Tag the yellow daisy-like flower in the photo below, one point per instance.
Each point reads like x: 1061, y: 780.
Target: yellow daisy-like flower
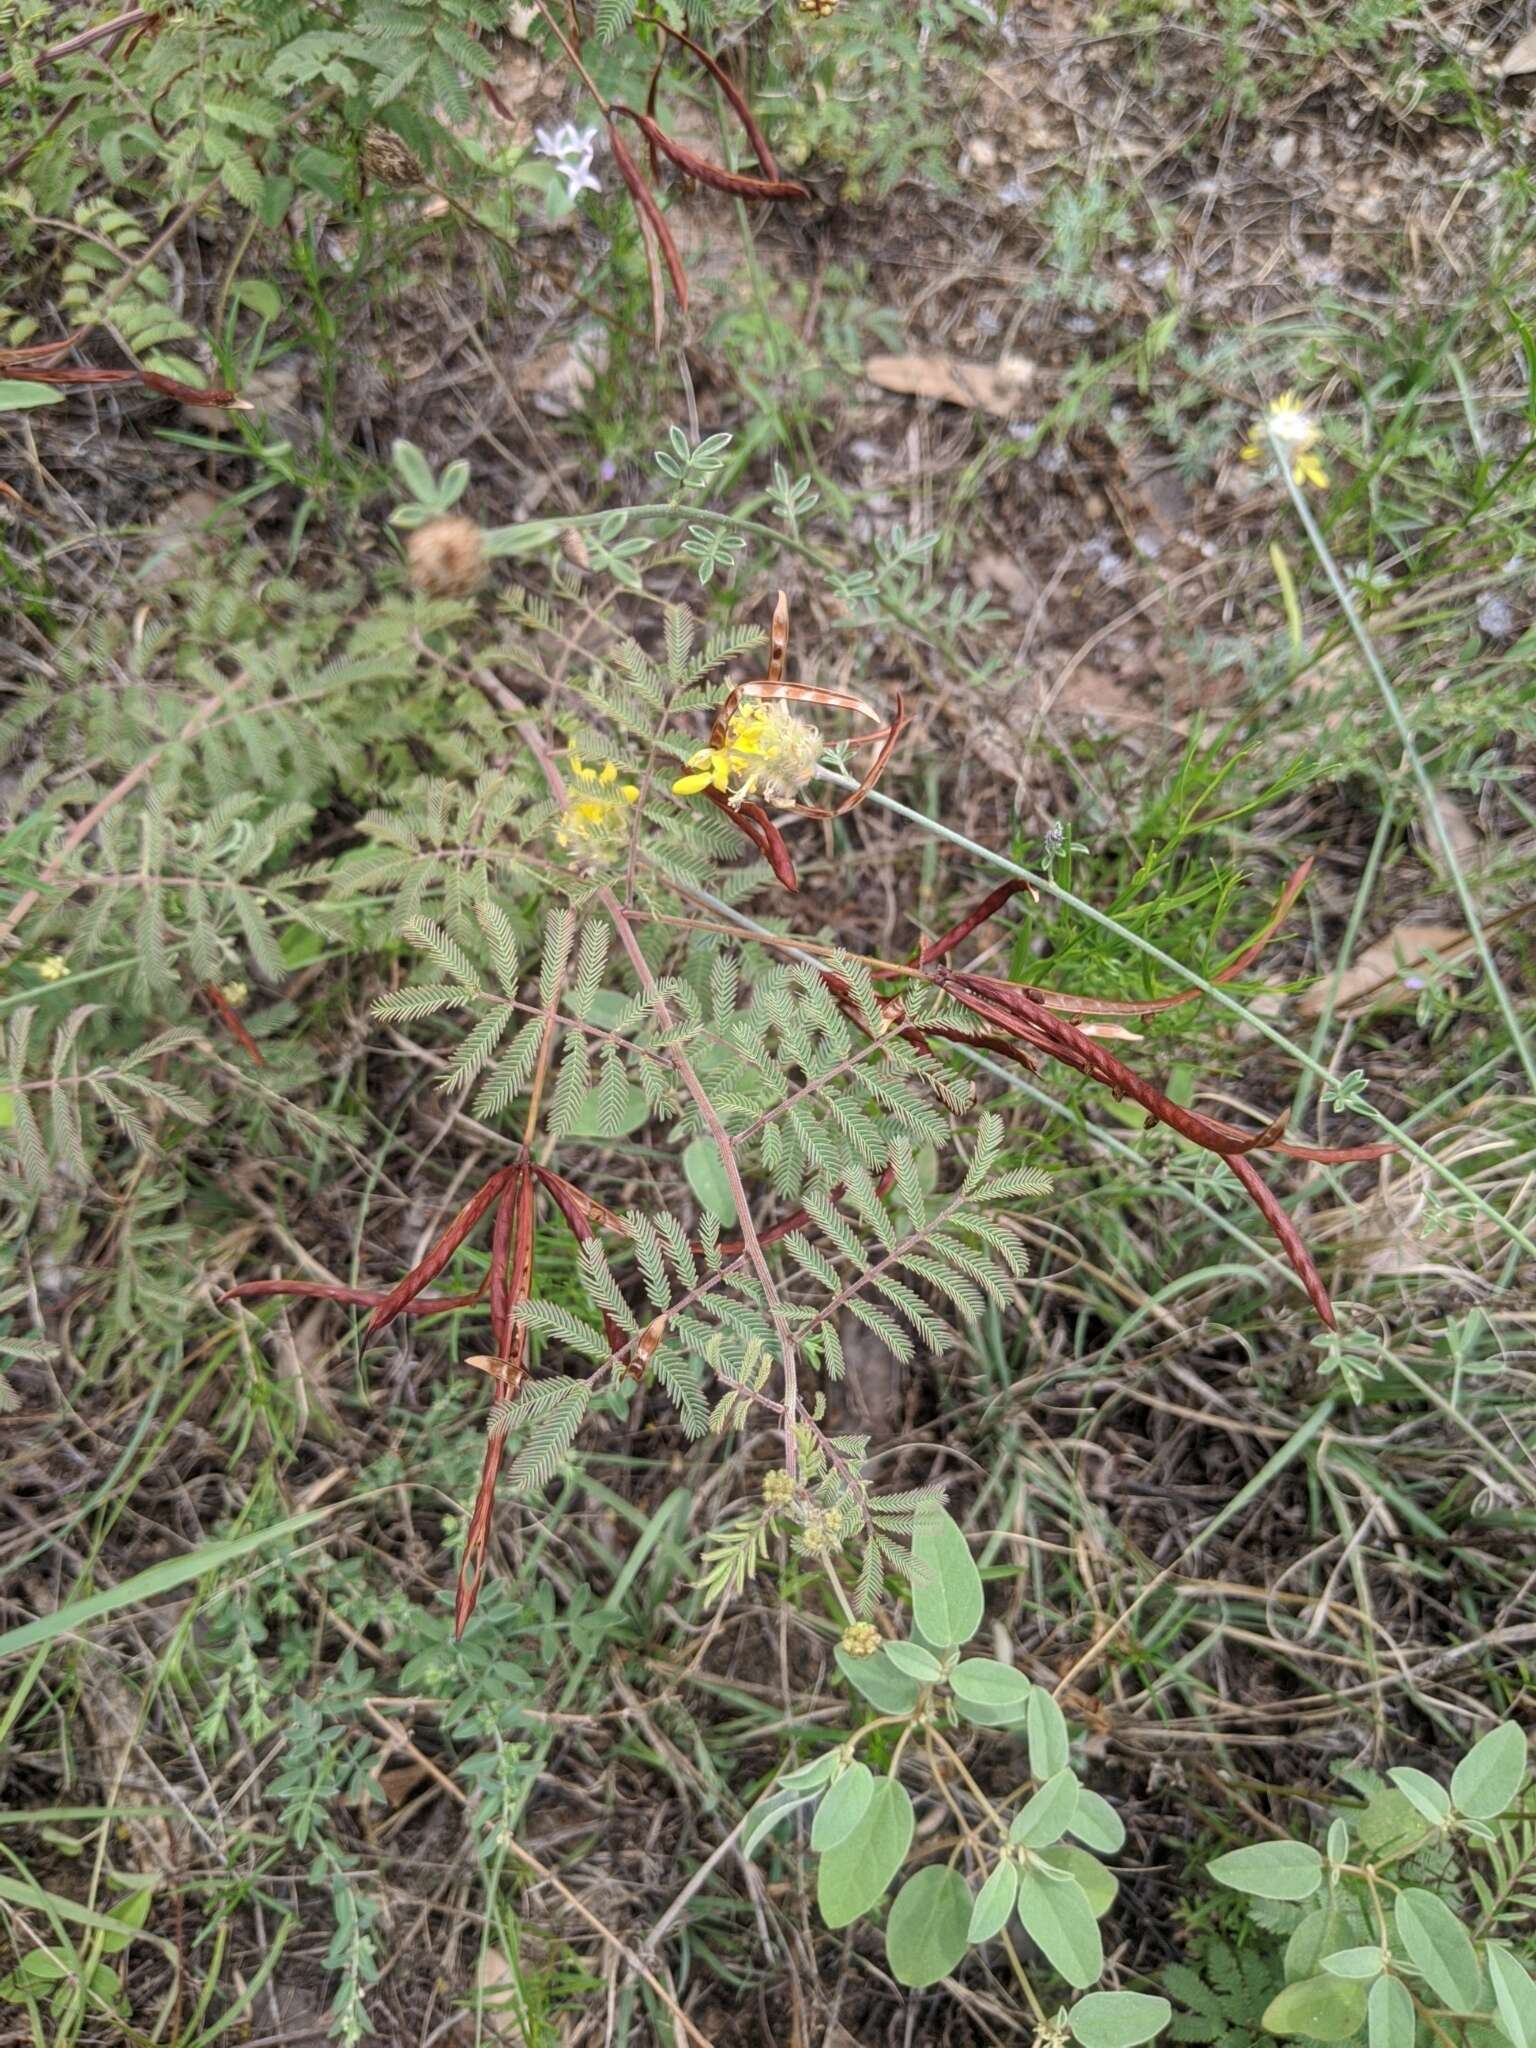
x: 1289, y: 427
x: 53, y: 967
x: 596, y: 811
x: 765, y: 750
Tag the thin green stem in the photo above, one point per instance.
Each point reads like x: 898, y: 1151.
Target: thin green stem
x: 1427, y: 790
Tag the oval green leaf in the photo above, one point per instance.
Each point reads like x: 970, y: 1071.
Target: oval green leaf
x: 767, y: 1814
x: 946, y: 1594
x: 589, y: 1123
x: 1049, y: 1743
x: 845, y: 1805
x: 1096, y: 1823
x: 705, y: 1173
x: 1271, y: 1870
x: 1390, y: 2021
x: 929, y: 1926
x: 1117, y: 2019
x: 1486, y: 1780
x: 854, y: 1875
x: 1514, y: 1993
x: 806, y: 1777
x: 1058, y: 1919
x: 983, y: 1682
x: 915, y: 1662
x: 1044, y: 1817
x: 1099, y: 1885
x: 18, y: 395
x: 1360, y: 1963
x: 1424, y: 1793
x: 1321, y: 2008
x: 1439, y: 1947
x: 994, y: 1902
x: 888, y: 1690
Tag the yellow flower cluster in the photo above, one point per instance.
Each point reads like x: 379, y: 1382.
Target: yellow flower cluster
x: 596, y: 811
x: 860, y: 1639
x: 778, y: 1489
x: 52, y: 967
x: 765, y: 750
x: 1289, y: 427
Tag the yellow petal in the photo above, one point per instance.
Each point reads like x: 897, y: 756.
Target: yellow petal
x: 630, y: 792
x: 690, y: 785
x: 609, y: 774
x: 722, y: 770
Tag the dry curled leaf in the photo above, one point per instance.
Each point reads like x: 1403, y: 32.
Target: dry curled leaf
x: 1379, y: 976
x: 998, y: 388
x: 1520, y: 57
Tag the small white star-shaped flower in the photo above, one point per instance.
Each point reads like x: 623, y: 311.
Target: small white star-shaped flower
x: 570, y: 148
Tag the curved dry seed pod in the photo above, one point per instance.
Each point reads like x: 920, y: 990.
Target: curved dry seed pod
x: 703, y: 168
x: 752, y: 818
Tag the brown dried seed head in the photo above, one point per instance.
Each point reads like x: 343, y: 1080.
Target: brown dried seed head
x: 574, y: 549
x: 447, y: 557
x: 388, y: 159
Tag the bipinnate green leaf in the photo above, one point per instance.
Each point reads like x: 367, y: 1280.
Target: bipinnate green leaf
x: 946, y: 1591
x: 1424, y: 1793
x: 1486, y: 1780
x: 1096, y: 1823
x: 1321, y: 2008
x: 1117, y: 2019
x: 929, y: 1926
x: 888, y: 1690
x: 1439, y: 1947
x: 854, y: 1875
x: 994, y: 1902
x: 589, y: 1120
x: 843, y: 1806
x: 983, y: 1682
x: 1271, y: 1870
x: 1058, y: 1919
x: 1514, y: 1994
x: 1049, y: 1743
x: 1046, y: 1815
x: 1390, y: 2020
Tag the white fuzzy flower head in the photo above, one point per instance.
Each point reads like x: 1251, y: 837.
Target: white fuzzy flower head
x: 570, y: 149
x: 1291, y: 424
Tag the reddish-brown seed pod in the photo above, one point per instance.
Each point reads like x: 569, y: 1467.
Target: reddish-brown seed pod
x: 733, y: 94
x: 426, y: 1270
x: 650, y: 214
x: 708, y: 172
